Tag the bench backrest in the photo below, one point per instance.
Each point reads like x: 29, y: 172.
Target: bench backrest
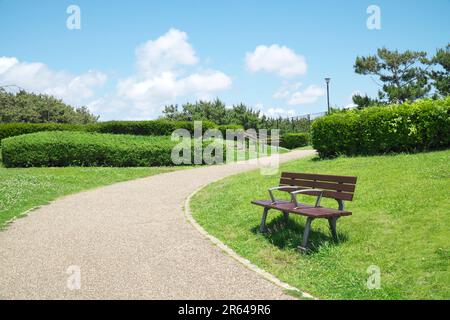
x: 336, y: 187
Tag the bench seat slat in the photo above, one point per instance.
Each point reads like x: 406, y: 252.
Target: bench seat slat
x: 304, y: 210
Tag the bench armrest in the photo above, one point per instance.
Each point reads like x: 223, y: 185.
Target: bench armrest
x: 272, y: 197
x: 319, y: 196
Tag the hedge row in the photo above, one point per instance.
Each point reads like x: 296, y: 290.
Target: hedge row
x: 63, y: 148
x: 410, y: 127
x: 146, y: 128
x: 294, y: 140
x: 15, y: 129
x: 223, y: 128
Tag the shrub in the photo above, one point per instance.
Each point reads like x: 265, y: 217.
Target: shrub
x: 189, y: 125
x: 62, y: 148
x: 151, y: 128
x: 422, y: 125
x: 223, y: 128
x: 16, y: 129
x: 294, y: 140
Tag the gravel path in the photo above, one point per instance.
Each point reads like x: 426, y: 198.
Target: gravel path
x: 129, y: 240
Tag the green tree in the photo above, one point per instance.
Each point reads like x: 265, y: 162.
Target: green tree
x: 170, y: 112
x: 441, y: 76
x: 239, y: 114
x: 40, y: 108
x: 403, y: 74
x: 364, y: 101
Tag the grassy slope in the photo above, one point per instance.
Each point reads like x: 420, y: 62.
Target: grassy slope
x: 400, y: 224
x: 22, y: 189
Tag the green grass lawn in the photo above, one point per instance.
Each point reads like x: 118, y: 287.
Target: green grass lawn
x: 400, y: 223
x: 23, y: 189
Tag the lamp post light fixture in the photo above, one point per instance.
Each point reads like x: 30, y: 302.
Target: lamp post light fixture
x: 327, y: 80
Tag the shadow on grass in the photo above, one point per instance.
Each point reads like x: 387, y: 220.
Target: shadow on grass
x: 287, y: 235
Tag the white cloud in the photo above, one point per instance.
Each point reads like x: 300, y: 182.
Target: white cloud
x: 276, y: 59
x: 37, y: 77
x: 204, y: 83
x: 279, y: 112
x: 111, y: 107
x: 311, y: 94
x: 6, y: 63
x: 167, y: 86
x: 294, y: 96
x: 160, y: 78
x: 274, y: 112
x: 286, y: 90
x: 165, y: 53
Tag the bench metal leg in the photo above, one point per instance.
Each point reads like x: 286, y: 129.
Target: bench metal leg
x: 262, y: 227
x: 286, y: 216
x: 332, y: 223
x: 304, y: 245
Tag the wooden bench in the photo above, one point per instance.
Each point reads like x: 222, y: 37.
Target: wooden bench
x: 340, y: 188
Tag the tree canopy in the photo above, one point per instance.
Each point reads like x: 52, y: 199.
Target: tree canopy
x: 441, y: 76
x: 40, y: 108
x: 239, y: 114
x: 405, y: 76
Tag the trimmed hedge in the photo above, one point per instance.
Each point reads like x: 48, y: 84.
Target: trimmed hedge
x: 410, y: 127
x: 149, y: 128
x: 145, y: 128
x: 62, y: 148
x: 223, y: 128
x: 294, y: 140
x: 15, y: 129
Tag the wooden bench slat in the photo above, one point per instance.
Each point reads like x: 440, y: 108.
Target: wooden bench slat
x: 323, y: 212
x: 338, y: 195
x: 304, y: 210
x: 311, y: 193
x: 319, y: 177
x: 327, y: 194
x: 318, y: 184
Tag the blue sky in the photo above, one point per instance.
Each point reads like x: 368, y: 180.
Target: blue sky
x: 131, y: 57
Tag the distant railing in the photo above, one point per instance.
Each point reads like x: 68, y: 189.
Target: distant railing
x: 309, y: 116
x: 313, y: 116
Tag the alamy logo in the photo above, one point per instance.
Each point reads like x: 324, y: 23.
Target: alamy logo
x: 74, y: 279
x: 73, y: 22
x: 374, y: 20
x: 374, y: 280
x: 214, y: 147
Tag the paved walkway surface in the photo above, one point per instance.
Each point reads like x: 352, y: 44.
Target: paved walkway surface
x: 130, y: 240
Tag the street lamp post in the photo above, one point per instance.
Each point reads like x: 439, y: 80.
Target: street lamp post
x: 327, y: 80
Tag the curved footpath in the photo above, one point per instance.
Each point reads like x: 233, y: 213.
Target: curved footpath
x: 130, y: 240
